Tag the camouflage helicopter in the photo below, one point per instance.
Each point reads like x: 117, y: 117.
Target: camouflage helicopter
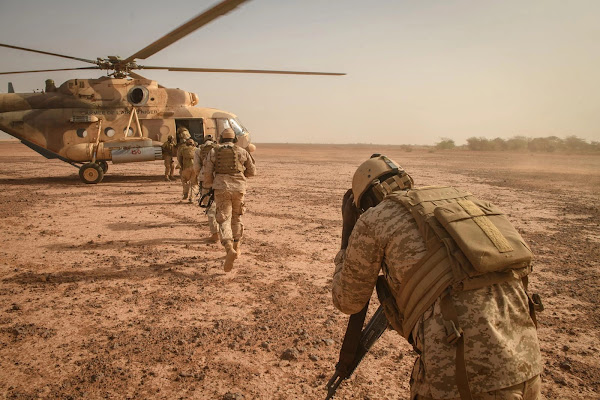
x: 122, y: 117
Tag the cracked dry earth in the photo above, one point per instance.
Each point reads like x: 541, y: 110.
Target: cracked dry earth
x: 110, y: 290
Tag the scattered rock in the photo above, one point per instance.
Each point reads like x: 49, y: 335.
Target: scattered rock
x: 565, y: 365
x: 233, y: 396
x: 290, y: 354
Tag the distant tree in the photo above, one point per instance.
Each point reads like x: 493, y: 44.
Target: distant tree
x: 498, y: 144
x: 517, y: 143
x: 445, y: 144
x: 478, y: 143
x: 548, y: 144
x: 573, y: 143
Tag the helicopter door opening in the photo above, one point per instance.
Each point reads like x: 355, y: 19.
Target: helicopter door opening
x: 195, y: 126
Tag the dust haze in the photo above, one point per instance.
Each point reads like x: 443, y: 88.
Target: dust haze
x: 111, y: 291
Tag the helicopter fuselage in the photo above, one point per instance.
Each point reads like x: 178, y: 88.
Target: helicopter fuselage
x: 104, y: 119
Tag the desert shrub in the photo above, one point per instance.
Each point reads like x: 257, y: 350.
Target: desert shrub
x: 517, y: 143
x: 445, y: 144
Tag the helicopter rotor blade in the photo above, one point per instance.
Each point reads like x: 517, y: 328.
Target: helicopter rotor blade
x: 243, y: 71
x: 48, y: 53
x: 200, y: 20
x: 47, y: 70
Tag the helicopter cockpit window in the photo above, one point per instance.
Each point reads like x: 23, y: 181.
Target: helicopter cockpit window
x: 128, y: 132
x: 110, y: 132
x: 138, y: 96
x: 81, y: 132
x: 237, y: 127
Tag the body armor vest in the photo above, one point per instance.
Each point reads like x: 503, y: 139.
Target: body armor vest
x: 470, y: 244
x: 187, y: 153
x: 205, y: 149
x: 227, y: 161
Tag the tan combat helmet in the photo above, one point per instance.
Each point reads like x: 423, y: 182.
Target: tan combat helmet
x: 228, y: 134
x: 380, y: 174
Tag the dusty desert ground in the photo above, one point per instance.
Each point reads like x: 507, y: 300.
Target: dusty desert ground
x: 111, y: 291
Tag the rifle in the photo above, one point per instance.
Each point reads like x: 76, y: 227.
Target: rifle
x: 355, y: 347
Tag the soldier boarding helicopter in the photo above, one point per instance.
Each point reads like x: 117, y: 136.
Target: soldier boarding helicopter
x: 122, y: 117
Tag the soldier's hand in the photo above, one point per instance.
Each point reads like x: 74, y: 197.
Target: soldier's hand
x: 350, y: 214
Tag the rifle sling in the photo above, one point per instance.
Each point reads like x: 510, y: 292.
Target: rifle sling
x: 351, y: 341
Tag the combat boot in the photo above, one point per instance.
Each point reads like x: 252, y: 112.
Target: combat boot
x: 214, y: 238
x: 237, y: 246
x: 167, y: 178
x: 230, y: 257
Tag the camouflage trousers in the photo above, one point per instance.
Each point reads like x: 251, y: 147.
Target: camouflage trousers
x: 188, y: 181
x: 169, y: 166
x: 229, y: 211
x: 210, y: 213
x: 528, y: 390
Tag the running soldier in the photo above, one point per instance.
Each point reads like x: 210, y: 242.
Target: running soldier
x: 169, y: 149
x: 225, y: 171
x: 185, y: 157
x: 199, y: 157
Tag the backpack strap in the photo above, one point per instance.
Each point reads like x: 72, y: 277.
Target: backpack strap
x: 456, y: 337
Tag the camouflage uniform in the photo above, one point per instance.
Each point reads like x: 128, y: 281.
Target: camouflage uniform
x: 199, y: 169
x: 229, y: 192
x: 169, y: 149
x: 185, y: 157
x: 501, y: 345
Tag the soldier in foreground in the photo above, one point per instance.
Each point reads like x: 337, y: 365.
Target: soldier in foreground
x: 467, y: 317
x: 185, y: 157
x: 225, y: 171
x: 199, y: 157
x: 169, y: 149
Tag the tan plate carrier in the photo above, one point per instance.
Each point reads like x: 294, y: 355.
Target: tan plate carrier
x: 227, y: 161
x: 470, y: 244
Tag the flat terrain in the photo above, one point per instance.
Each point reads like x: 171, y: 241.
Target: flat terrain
x: 111, y: 291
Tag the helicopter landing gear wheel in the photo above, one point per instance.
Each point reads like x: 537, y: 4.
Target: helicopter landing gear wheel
x: 91, y: 173
x: 104, y: 165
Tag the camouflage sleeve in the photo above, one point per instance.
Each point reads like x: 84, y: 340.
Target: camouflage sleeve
x: 250, y: 167
x: 208, y: 168
x: 356, y: 269
x: 180, y: 155
x: 197, y: 161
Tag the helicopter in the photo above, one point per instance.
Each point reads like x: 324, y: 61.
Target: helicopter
x: 122, y: 117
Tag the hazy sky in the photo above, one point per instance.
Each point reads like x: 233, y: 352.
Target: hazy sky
x: 417, y: 70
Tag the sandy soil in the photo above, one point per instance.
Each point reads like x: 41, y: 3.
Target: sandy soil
x: 111, y: 291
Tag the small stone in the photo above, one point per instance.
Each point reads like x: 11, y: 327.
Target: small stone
x: 565, y: 365
x: 290, y: 354
x: 328, y: 342
x: 233, y: 396
x: 313, y: 357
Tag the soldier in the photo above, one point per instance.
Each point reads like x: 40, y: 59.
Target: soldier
x: 199, y: 157
x: 185, y: 157
x: 473, y: 330
x: 169, y: 149
x: 181, y: 136
x: 225, y: 171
